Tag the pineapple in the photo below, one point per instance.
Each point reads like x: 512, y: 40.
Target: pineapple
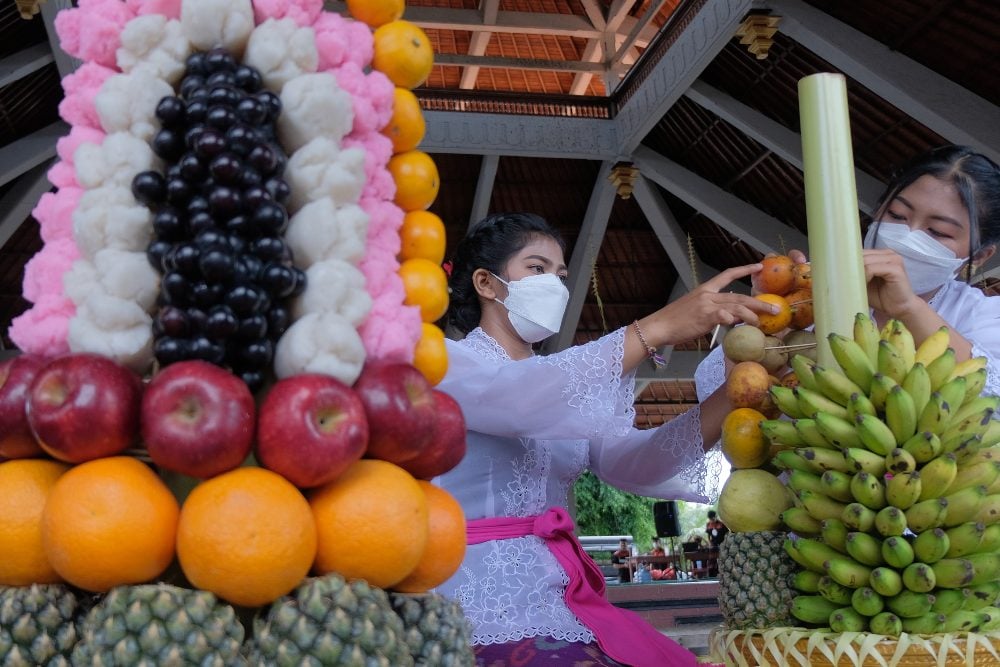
x: 328, y: 621
x: 437, y: 631
x: 755, y: 576
x: 37, y: 625
x: 160, y: 625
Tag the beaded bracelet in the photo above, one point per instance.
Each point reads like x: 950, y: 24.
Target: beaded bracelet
x: 654, y: 357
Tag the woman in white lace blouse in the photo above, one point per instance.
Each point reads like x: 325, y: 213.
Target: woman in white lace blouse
x: 536, y: 423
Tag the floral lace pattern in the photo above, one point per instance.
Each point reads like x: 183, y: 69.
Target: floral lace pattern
x: 710, y: 373
x: 684, y: 444
x: 483, y: 343
x: 525, y: 494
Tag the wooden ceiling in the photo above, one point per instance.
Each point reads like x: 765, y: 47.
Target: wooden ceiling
x: 533, y: 103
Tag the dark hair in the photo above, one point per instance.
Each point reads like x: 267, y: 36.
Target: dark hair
x: 489, y: 244
x: 711, y: 514
x: 975, y: 176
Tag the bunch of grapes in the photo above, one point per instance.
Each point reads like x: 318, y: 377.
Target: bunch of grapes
x: 218, y: 219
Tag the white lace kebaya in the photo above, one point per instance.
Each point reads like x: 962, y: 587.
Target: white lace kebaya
x: 535, y: 426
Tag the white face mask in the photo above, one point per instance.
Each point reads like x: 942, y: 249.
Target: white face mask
x: 535, y: 305
x: 929, y: 264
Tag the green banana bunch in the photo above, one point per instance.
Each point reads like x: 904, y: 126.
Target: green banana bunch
x: 897, y: 552
x: 781, y: 432
x: 926, y: 514
x: 815, y: 553
x: 865, y: 549
x: 821, y: 506
x: 925, y: 624
x: 964, y: 505
x: 853, y: 360
x: 846, y: 619
x: 784, y: 399
x: 866, y: 335
x: 939, y: 369
x: 899, y: 461
x: 982, y: 595
x: 858, y: 517
x: 809, y: 433
x: 933, y: 347
x: 917, y: 384
x: 890, y: 522
x: 799, y: 521
x: 919, y: 578
x: 900, y: 414
x: 789, y: 459
x: 948, y: 600
x: 931, y: 546
x: 886, y: 581
x: 834, y: 533
x: 860, y: 405
x: 806, y: 581
x: 991, y: 538
x: 953, y: 572
x: 868, y: 490
x: 989, y: 511
x: 963, y: 621
x: 813, y: 401
x: 976, y: 473
x: 936, y: 415
x: 902, y: 490
x: 874, y: 434
x: 890, y: 362
x: 813, y: 609
x: 803, y: 368
x: 896, y: 334
x: 910, y: 604
x: 886, y: 623
x: 937, y: 476
x: 834, y: 592
x: 847, y: 571
x: 866, y: 601
x: 923, y: 446
x: 838, y: 432
x: 835, y: 385
x: 859, y: 459
x: 964, y: 539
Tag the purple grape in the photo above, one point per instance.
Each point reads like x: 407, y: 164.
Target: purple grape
x: 270, y: 218
x: 262, y: 158
x: 254, y: 197
x: 195, y: 64
x: 209, y: 143
x: 245, y: 300
x: 278, y: 279
x: 242, y: 225
x: 179, y: 191
x: 170, y: 111
x: 221, y: 79
x: 193, y: 134
x: 156, y: 252
x: 207, y: 295
x: 197, y: 319
x: 171, y: 321
x: 250, y: 178
x: 254, y: 380
x: 170, y: 350
x: 191, y: 168
x: 168, y: 225
x: 201, y: 221
x: 219, y: 60
x: 224, y: 96
x: 224, y: 202
x: 202, y: 348
x: 257, y: 354
x: 196, y: 109
x: 248, y: 78
x: 210, y: 239
x: 168, y: 144
x: 184, y: 259
x: 300, y: 282
x: 241, y: 139
x: 252, y: 111
x: 270, y: 248
x: 149, y: 188
x: 278, y: 319
x: 221, y: 322
x: 271, y: 102
x: 216, y: 266
x: 175, y: 288
x: 220, y: 117
x: 278, y: 189
x: 253, y: 327
x: 226, y: 169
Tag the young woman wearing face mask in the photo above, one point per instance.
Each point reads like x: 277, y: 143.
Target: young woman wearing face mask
x: 535, y: 423
x: 940, y: 215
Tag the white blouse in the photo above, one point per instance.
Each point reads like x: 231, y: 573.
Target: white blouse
x: 534, y: 426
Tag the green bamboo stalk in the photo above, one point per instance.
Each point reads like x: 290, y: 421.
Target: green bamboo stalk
x: 834, y: 227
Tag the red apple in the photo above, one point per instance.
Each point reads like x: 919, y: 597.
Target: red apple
x: 399, y: 403
x: 447, y: 446
x: 311, y: 429
x: 16, y: 375
x: 84, y: 406
x: 197, y: 419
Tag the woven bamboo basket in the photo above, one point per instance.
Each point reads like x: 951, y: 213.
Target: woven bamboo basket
x: 799, y: 647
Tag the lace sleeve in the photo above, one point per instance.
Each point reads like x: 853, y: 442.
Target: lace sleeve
x: 710, y: 374
x: 992, y: 370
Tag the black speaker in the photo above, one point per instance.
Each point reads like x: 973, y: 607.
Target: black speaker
x: 666, y: 519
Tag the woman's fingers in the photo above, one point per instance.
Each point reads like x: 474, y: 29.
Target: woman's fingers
x: 798, y: 256
x: 716, y: 283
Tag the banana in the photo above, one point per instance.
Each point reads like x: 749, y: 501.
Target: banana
x: 864, y: 548
x: 813, y: 609
x: 985, y: 566
x: 890, y: 521
x: 980, y: 473
x: 964, y: 447
x: 902, y: 490
x: 948, y: 600
x: 923, y: 446
x: 940, y: 368
x: 991, y: 539
x: 858, y: 517
x: 886, y: 581
x: 847, y: 619
x: 835, y: 385
x: 866, y: 601
x: 860, y: 405
x: 784, y: 399
x: 975, y: 382
x: 881, y: 386
x: 838, y: 432
x: 931, y: 546
x: 937, y: 475
x: 989, y: 510
x: 834, y: 533
x: 847, y: 572
x: 935, y: 416
x: 834, y: 592
x: 964, y: 505
x: 925, y: 624
x: 899, y: 460
x: 964, y: 539
x: 991, y: 621
x: 910, y: 604
x: 890, y: 363
x: 953, y: 572
x: 809, y: 433
x: 806, y: 581
x: 788, y: 459
x: 978, y: 408
x: 897, y: 552
x: 953, y: 392
x: 866, y: 335
x: 820, y: 506
x: 917, y: 384
x: 933, y: 346
x: 963, y: 621
x: 859, y: 459
x: 900, y: 414
x: 799, y: 521
x: 992, y: 435
x: 793, y: 552
x: 781, y: 432
x: 926, y: 514
x: 874, y: 434
x: 811, y: 402
x: 970, y: 365
x: 815, y: 552
x: 837, y: 485
x: 853, y: 360
x: 886, y: 623
x: 901, y: 339
x: 803, y: 367
x: 919, y: 577
x: 799, y: 480
x: 822, y: 460
x: 868, y: 490
x: 983, y: 595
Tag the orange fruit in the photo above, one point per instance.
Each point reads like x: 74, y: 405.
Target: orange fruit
x: 772, y: 324
x: 372, y: 523
x: 445, y: 542
x: 403, y: 53
x: 417, y: 180
x: 426, y: 286
x: 743, y: 443
x: 24, y: 486
x: 376, y: 12
x: 407, y: 126
x: 748, y: 385
x: 777, y: 276
x: 422, y: 235
x: 803, y: 276
x: 109, y: 522
x: 247, y: 536
x: 801, y: 303
x: 430, y: 355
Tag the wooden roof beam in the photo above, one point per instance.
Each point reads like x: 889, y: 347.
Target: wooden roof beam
x: 942, y: 105
x: 761, y: 231
x: 28, y: 152
x: 18, y: 65
x: 465, y: 60
x: 480, y: 40
x: 484, y: 188
x: 18, y: 202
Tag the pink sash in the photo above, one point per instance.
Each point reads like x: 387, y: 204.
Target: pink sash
x: 620, y: 633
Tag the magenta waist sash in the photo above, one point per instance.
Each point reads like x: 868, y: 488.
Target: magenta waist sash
x: 621, y: 634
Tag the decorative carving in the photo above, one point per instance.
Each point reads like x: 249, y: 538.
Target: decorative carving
x: 28, y: 8
x: 623, y: 177
x: 756, y: 32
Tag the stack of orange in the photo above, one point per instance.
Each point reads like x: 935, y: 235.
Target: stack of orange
x: 404, y: 54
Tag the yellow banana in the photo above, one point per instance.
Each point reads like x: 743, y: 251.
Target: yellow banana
x: 902, y: 490
x: 900, y: 414
x: 822, y: 460
x: 803, y: 367
x: 991, y: 437
x: 926, y: 514
x: 837, y: 485
x: 784, y: 399
x: 835, y: 385
x: 868, y: 490
x: 975, y: 383
x: 848, y: 572
x: 935, y: 416
x: 890, y: 362
x: 865, y: 333
x: 989, y: 510
x: 800, y: 480
x: 820, y: 506
x: 964, y: 539
x: 811, y: 402
x: 788, y: 459
x: 874, y: 434
x: 890, y: 522
x: 964, y: 505
x: 917, y: 384
x: 933, y: 346
x: 799, y: 520
x: 923, y: 446
x: 858, y: 517
x: 936, y: 476
x: 900, y: 460
x: 901, y: 339
x: 980, y: 473
x: 991, y: 539
x: 853, y: 360
x: 970, y: 365
x: 862, y: 459
x: 881, y: 386
x: 978, y: 407
x: 791, y: 548
x: 940, y: 369
x: 815, y: 552
x: 953, y: 393
x: 838, y: 432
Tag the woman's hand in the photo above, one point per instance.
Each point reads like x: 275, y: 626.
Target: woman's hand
x: 889, y: 289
